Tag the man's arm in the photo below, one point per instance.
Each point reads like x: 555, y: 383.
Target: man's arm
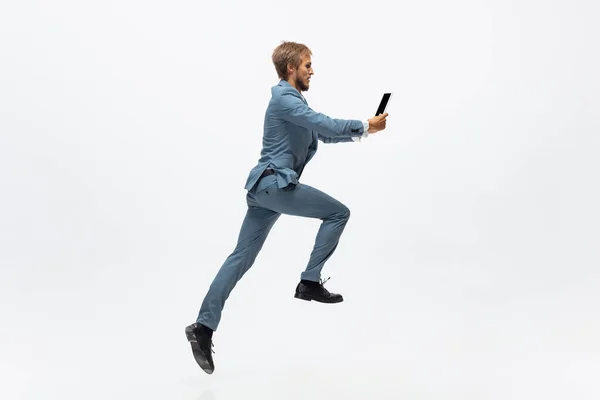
x: 294, y: 110
x: 365, y: 134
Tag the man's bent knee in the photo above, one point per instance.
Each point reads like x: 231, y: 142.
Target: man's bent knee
x: 343, y: 213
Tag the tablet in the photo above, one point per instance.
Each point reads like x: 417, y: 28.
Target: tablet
x: 383, y: 104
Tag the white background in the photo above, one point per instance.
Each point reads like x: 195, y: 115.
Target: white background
x: 470, y: 263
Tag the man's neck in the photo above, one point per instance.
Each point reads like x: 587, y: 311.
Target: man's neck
x: 293, y: 84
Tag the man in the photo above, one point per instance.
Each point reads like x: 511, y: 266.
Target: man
x: 291, y: 134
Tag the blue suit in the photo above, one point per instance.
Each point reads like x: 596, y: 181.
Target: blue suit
x: 292, y: 131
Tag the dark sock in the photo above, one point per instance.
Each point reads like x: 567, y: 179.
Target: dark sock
x: 309, y: 283
x: 207, y: 330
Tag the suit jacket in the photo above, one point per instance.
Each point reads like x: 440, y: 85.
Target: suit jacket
x: 292, y: 131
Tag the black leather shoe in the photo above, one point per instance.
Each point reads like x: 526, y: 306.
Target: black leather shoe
x: 317, y: 292
x: 201, y: 347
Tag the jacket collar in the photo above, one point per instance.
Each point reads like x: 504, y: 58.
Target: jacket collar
x: 284, y: 83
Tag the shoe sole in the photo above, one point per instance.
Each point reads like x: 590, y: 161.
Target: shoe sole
x: 306, y: 297
x: 198, y: 354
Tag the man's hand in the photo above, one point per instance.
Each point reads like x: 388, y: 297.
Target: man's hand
x: 377, y: 123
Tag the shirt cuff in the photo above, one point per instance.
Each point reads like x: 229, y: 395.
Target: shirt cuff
x: 365, y: 132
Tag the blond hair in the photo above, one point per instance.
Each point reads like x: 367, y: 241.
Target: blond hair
x: 288, y: 53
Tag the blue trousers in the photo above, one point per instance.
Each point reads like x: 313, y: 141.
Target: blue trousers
x: 266, y: 202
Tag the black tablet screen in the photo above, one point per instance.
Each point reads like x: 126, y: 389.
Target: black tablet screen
x: 383, y: 104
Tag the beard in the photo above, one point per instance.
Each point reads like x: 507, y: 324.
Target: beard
x: 300, y: 84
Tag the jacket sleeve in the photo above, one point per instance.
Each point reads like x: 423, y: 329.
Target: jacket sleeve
x: 294, y: 110
x: 326, y: 139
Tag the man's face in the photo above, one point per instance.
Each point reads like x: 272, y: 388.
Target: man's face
x: 300, y: 78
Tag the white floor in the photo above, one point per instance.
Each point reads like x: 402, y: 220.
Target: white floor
x: 435, y: 331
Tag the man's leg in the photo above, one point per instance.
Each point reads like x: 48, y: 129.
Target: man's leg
x: 253, y: 233
x: 306, y: 201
